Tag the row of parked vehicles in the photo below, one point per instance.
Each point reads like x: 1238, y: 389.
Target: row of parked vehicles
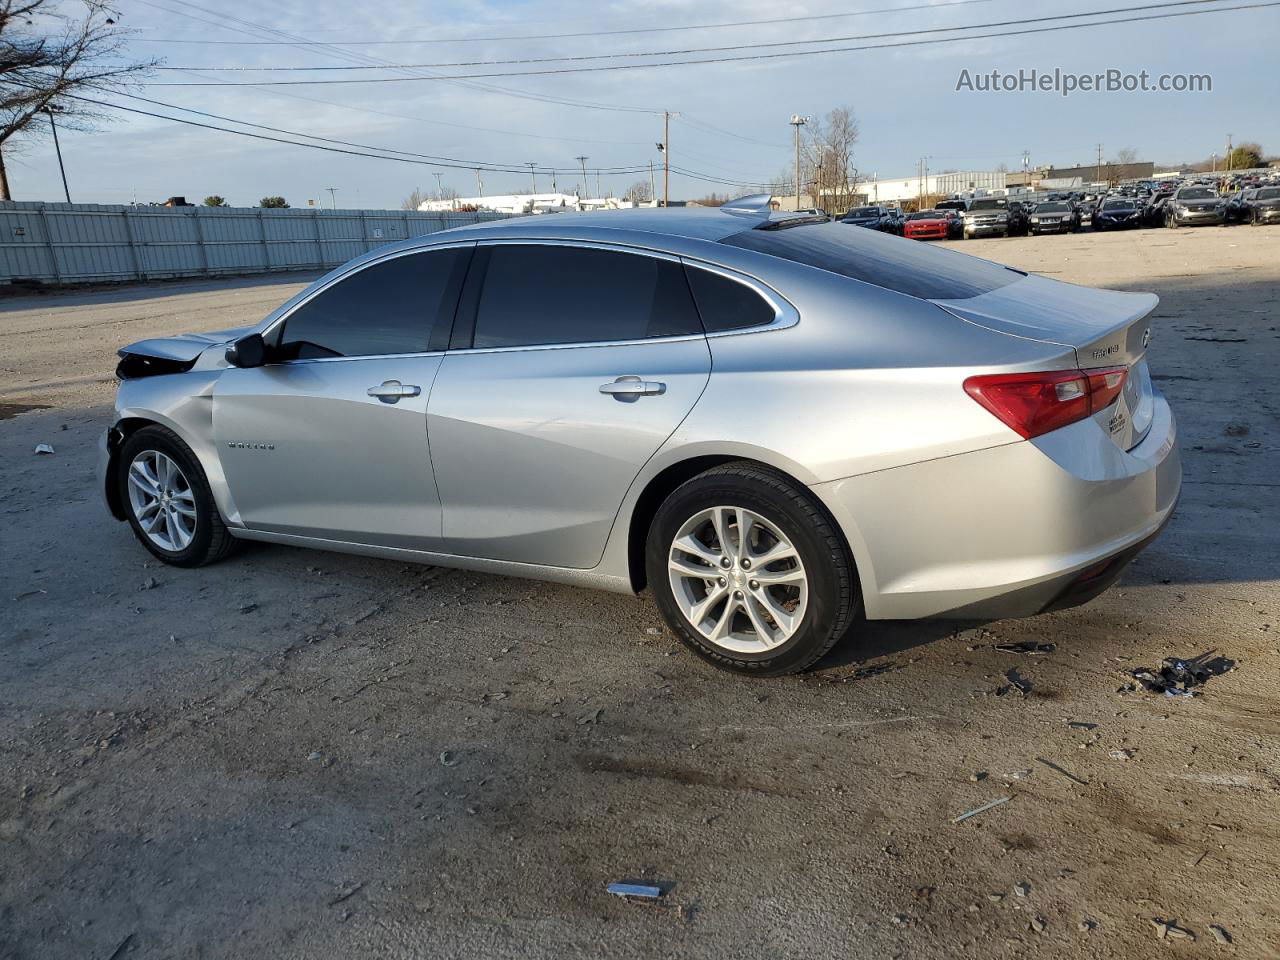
x: 1173, y: 204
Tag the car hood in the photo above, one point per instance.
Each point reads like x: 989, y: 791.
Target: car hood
x: 185, y: 347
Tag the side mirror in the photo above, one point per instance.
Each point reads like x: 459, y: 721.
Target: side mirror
x: 248, y: 351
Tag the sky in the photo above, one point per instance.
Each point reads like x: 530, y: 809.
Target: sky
x: 730, y: 120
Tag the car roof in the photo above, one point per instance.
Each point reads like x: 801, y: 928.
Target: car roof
x: 693, y: 223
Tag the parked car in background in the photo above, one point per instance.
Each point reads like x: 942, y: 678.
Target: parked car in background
x: 958, y: 205
x: 1264, y: 205
x: 1238, y: 205
x: 1154, y: 214
x: 581, y: 381
x: 1117, y: 213
x: 987, y: 216
x: 929, y: 225
x: 1058, y: 216
x: 884, y: 219
x: 1195, y: 205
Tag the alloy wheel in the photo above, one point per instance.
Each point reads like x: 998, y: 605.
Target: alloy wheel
x: 737, y: 579
x: 162, y: 500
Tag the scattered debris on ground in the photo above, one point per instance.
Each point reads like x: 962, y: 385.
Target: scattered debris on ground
x: 639, y: 891
x: 1179, y: 678
x: 43, y: 448
x: 1057, y: 769
x: 982, y: 809
x: 1219, y: 933
x: 1026, y: 646
x: 1169, y: 930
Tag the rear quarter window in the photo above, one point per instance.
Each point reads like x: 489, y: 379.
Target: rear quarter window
x: 903, y: 266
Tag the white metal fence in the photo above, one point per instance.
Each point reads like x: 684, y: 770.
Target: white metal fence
x: 89, y: 242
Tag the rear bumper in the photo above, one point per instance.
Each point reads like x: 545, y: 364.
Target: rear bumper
x: 1008, y: 531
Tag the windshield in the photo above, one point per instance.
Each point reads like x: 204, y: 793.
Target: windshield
x: 1118, y: 205
x: 987, y: 205
x: 1269, y: 193
x: 927, y: 215
x: 916, y: 269
x: 1196, y: 193
x: 865, y: 212
x: 1052, y: 208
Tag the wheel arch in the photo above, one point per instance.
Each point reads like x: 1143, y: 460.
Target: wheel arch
x: 662, y: 484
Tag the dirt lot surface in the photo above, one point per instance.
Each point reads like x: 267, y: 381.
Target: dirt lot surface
x: 296, y: 754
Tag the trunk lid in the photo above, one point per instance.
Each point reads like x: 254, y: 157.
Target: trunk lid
x: 1103, y: 327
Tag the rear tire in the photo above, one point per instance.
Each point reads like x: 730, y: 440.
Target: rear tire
x: 753, y: 615
x: 168, y: 501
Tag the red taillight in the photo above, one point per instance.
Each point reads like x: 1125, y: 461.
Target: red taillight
x: 1035, y: 403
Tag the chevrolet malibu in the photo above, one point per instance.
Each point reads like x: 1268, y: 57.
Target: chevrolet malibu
x: 780, y: 427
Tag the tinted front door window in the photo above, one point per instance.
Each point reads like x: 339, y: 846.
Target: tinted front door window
x: 402, y: 305
x: 547, y: 293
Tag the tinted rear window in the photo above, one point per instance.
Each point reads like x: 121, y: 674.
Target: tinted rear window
x: 727, y: 304
x: 538, y: 294
x: 988, y: 205
x: 904, y: 266
x: 1270, y: 193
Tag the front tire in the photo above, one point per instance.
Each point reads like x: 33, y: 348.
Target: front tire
x: 770, y: 603
x: 167, y: 500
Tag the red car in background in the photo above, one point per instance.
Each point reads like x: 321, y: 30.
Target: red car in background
x: 931, y: 225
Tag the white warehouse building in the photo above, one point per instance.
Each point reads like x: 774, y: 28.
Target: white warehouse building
x: 909, y: 188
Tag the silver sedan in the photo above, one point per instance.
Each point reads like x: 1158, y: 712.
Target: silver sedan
x: 778, y: 426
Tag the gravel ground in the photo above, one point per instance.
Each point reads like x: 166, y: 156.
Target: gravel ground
x: 296, y: 754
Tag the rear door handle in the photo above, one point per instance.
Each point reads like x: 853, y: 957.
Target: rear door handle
x: 390, y: 391
x: 629, y: 389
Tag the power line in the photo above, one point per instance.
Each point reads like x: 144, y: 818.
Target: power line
x: 332, y: 50
x: 766, y: 45
x: 490, y: 165
x: 735, y: 59
x: 497, y: 168
x: 571, y: 36
x: 589, y: 33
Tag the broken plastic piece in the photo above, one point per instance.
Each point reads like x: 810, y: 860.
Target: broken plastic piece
x: 43, y: 448
x: 1026, y: 646
x: 634, y: 890
x: 1178, y: 678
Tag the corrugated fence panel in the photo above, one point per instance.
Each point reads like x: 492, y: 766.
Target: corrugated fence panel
x: 88, y: 242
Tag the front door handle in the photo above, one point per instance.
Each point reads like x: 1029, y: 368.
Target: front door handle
x: 390, y: 391
x: 629, y: 389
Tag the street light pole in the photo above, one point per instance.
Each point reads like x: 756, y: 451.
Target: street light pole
x: 439, y: 184
x: 58, y: 149
x: 333, y: 197
x: 585, y: 186
x: 533, y: 177
x: 479, y: 184
x: 798, y: 121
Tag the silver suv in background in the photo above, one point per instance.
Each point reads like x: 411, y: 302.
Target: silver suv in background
x: 985, y: 217
x: 1196, y: 205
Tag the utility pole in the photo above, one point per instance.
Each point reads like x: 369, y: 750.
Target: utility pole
x: 333, y: 197
x: 479, y: 184
x: 585, y: 186
x: 1097, y: 173
x: 666, y: 158
x: 439, y: 184
x: 50, y: 110
x: 1213, y: 160
x: 652, y: 190
x: 798, y: 121
x: 1228, y: 153
x: 599, y: 192
x: 533, y: 177
x: 925, y: 182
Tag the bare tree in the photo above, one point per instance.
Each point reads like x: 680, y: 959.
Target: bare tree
x: 638, y: 192
x: 827, y: 161
x: 53, y: 60
x: 1126, y: 156
x: 414, y: 200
